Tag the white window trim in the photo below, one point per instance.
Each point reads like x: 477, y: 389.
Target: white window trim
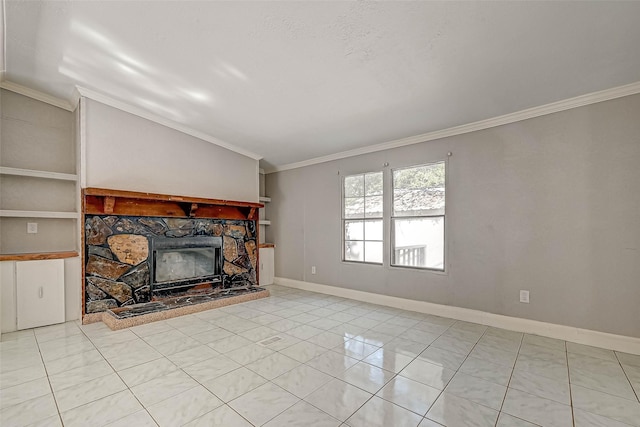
x: 387, y: 185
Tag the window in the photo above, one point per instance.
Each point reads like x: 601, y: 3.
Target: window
x: 417, y: 220
x: 362, y: 218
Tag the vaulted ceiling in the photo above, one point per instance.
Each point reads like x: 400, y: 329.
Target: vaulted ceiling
x: 292, y: 81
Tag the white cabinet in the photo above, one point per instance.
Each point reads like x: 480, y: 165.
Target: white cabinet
x: 39, y: 293
x: 266, y: 266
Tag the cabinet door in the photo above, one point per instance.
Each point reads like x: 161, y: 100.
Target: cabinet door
x: 266, y: 266
x: 40, y: 293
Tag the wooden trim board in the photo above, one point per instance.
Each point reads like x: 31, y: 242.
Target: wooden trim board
x: 38, y: 256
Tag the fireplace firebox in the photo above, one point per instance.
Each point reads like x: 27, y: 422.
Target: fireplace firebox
x: 180, y: 263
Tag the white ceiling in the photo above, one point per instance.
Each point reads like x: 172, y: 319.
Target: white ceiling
x: 293, y: 81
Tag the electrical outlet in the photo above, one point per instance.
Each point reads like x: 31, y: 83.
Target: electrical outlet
x: 313, y: 269
x: 32, y: 227
x: 524, y: 297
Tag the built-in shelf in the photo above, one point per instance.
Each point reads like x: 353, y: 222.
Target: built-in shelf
x: 38, y: 214
x: 4, y: 170
x: 263, y: 222
x: 37, y: 174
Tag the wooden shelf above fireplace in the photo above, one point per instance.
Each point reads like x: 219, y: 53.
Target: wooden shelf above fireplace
x: 100, y: 201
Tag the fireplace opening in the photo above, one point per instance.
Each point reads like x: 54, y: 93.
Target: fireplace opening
x: 178, y: 264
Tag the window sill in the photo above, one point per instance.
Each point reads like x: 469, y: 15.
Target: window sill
x: 361, y: 263
x: 418, y: 269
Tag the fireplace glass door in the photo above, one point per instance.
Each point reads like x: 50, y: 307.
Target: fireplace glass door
x: 174, y: 265
x: 185, y: 261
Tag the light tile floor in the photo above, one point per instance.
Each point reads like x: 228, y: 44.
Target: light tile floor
x: 304, y: 359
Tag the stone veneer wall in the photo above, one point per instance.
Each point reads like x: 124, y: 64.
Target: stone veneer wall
x: 117, y: 254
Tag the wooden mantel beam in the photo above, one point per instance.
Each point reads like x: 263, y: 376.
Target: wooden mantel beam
x: 99, y: 201
x: 91, y: 191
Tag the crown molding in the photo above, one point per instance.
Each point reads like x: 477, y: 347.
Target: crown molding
x: 529, y: 113
x: 137, y: 111
x: 75, y: 97
x: 35, y: 94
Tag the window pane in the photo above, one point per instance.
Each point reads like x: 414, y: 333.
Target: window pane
x: 354, y: 186
x: 353, y: 230
x: 373, y: 230
x: 373, y: 252
x: 353, y: 251
x: 373, y: 184
x: 419, y: 190
x: 373, y: 207
x: 363, y: 198
x: 419, y: 242
x: 426, y: 176
x: 354, y: 207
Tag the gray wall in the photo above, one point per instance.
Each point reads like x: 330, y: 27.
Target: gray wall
x: 550, y: 204
x: 127, y: 152
x: 37, y: 136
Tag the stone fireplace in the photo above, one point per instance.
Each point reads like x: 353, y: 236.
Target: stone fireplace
x: 141, y: 247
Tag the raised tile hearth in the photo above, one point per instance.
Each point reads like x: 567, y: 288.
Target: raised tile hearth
x: 167, y: 308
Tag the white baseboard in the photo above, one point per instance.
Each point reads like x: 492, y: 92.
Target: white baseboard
x: 567, y: 333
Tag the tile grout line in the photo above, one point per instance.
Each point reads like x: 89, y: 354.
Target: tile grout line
x: 178, y: 368
x: 224, y: 403
x: 414, y: 359
x: 55, y: 401
x: 333, y: 377
x: 301, y: 363
x: 566, y: 354
x: 359, y: 360
x: 522, y: 340
x: 218, y: 397
x: 511, y: 377
x: 513, y: 368
x: 395, y: 375
x: 126, y: 385
x: 636, y: 393
x: 457, y: 370
x: 49, y: 380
